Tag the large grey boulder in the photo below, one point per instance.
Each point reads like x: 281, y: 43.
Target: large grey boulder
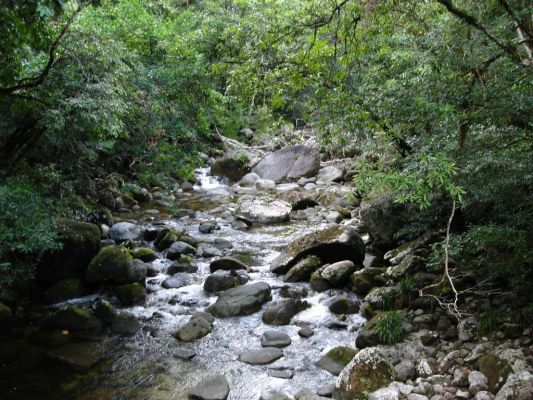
x: 330, y: 245
x: 289, y: 163
x: 242, y: 300
x: 273, y: 338
x: 518, y: 386
x: 337, y: 274
x: 124, y: 231
x: 328, y: 174
x: 114, y: 264
x: 177, y: 281
x: 234, y: 165
x: 215, y: 387
x: 197, y: 327
x: 263, y: 210
x: 223, y: 280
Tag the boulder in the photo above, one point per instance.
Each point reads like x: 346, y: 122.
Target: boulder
x: 104, y: 310
x: 242, y: 300
x: 388, y: 393
x: 131, y: 293
x: 124, y: 231
x: 68, y: 288
x: 264, y: 210
x: 273, y: 338
x: 303, y: 269
x: 226, y: 264
x: 337, y: 274
x: 519, y: 386
x: 197, y: 327
x: 234, y: 165
x: 75, y: 319
x: 289, y: 163
x: 329, y: 245
x: 368, y: 371
x: 263, y: 356
x: 77, y: 356
x: 114, y: 264
x: 499, y: 363
x: 249, y: 180
x: 80, y: 242
x: 477, y: 382
x: 281, y: 312
x: 298, y: 200
x: 177, y: 281
x: 214, y: 387
x: 125, y: 324
x: 166, y: 237
x: 223, y: 280
x: 208, y: 227
x: 328, y: 174
x: 144, y: 254
x: 336, y: 359
x: 382, y: 298
x: 177, y: 249
x: 364, y: 280
x: 368, y: 336
x: 383, y: 217
x: 342, y: 304
x: 408, y: 266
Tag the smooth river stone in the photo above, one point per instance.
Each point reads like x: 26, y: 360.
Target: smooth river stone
x: 262, y: 356
x: 215, y: 387
x: 275, y: 339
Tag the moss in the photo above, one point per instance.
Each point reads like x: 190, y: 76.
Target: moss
x: 143, y: 253
x: 322, y: 236
x: 185, y: 259
x: 495, y: 369
x: 111, y: 264
x: 342, y: 354
x: 65, y: 289
x: 303, y: 269
x: 131, y: 293
x: 75, y: 318
x: 167, y: 236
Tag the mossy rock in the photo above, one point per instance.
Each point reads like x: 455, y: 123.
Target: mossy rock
x: 68, y: 288
x: 362, y: 283
x: 369, y: 336
x: 76, y: 319
x: 131, y: 293
x: 80, y: 242
x: 5, y: 313
x: 167, y: 236
x: 143, y: 253
x: 336, y: 359
x: 78, y: 356
x: 303, y: 270
x: 330, y: 245
x: 495, y: 369
x: 111, y: 264
x: 344, y: 305
x: 366, y: 372
x: 317, y: 282
x: 104, y: 310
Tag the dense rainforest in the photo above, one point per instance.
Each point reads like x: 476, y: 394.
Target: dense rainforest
x: 423, y: 107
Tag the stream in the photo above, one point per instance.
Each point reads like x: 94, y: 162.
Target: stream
x: 143, y: 366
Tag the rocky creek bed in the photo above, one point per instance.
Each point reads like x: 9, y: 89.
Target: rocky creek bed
x: 255, y: 291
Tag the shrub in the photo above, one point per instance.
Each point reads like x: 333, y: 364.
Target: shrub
x: 390, y: 327
x: 26, y: 231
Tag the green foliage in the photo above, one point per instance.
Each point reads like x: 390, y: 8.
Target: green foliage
x: 26, y: 231
x: 242, y: 159
x: 390, y: 327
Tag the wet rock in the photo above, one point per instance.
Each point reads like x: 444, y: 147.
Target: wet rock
x: 215, y: 387
x: 68, y: 288
x: 293, y: 292
x: 307, y: 394
x: 144, y: 254
x: 281, y: 312
x: 263, y: 356
x: 125, y: 324
x: 330, y: 245
x: 282, y: 374
x: 197, y: 327
x: 78, y: 356
x: 166, y: 237
x: 177, y: 249
x: 208, y: 251
x: 264, y: 210
x: 226, y: 264
x: 185, y: 354
x: 76, y: 319
x: 336, y: 359
x: 80, y: 242
x: 368, y: 371
x: 273, y: 395
x: 337, y: 274
x: 182, y: 267
x: 289, y: 163
x: 131, y: 293
x: 519, y: 386
x: 223, y: 280
x: 327, y: 390
x: 242, y: 300
x: 104, y: 310
x: 303, y: 269
x: 273, y: 338
x: 342, y: 304
x: 223, y: 244
x: 208, y: 227
x: 177, y: 281
x: 124, y: 231
x: 306, y: 332
x: 317, y: 282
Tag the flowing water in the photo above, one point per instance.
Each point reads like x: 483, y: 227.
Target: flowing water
x: 143, y: 366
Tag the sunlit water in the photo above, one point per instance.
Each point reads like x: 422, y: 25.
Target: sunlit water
x: 143, y: 366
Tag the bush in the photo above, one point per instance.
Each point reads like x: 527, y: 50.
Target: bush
x: 390, y: 327
x: 26, y: 231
